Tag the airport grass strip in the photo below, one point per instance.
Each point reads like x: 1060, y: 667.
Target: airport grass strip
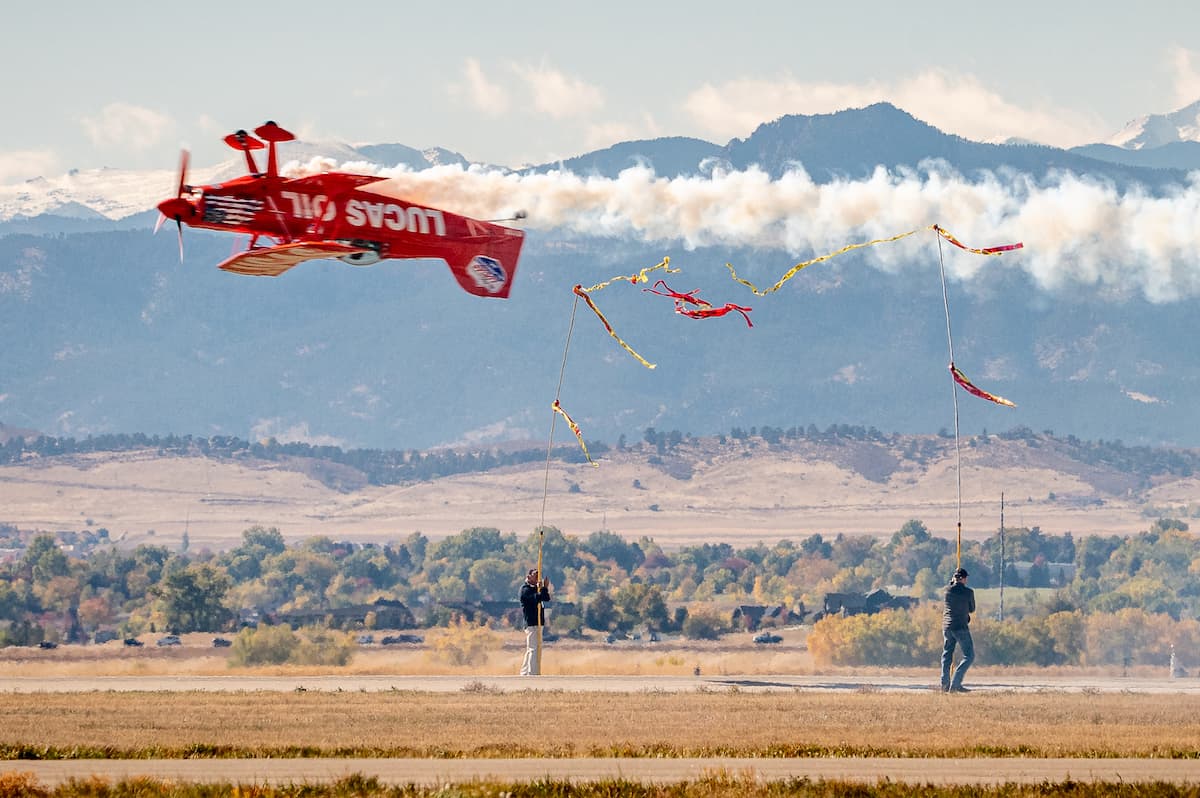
x: 15, y: 785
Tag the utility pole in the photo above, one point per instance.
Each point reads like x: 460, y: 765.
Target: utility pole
x: 1001, y: 555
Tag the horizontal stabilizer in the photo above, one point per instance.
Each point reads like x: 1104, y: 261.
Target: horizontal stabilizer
x: 243, y: 141
x: 269, y: 131
x: 274, y: 261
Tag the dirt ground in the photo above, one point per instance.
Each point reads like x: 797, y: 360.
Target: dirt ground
x: 432, y: 772
x: 140, y: 497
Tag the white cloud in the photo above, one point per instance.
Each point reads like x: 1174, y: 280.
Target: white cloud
x: 558, y: 95
x: 131, y: 126
x: 296, y: 433
x: 1186, y: 79
x: 495, y: 432
x: 1144, y: 398
x: 70, y: 351
x: 955, y: 104
x: 26, y: 164
x: 847, y: 374
x: 484, y: 95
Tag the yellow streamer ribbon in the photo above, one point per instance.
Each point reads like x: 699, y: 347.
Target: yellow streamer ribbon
x: 634, y: 279
x: 799, y: 266
x: 640, y: 277
x: 850, y: 247
x: 557, y: 408
x: 582, y: 294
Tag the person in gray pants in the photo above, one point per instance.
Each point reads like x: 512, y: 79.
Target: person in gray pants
x: 956, y: 631
x: 534, y: 593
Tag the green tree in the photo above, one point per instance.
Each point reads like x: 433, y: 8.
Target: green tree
x: 44, y: 560
x: 495, y: 578
x: 601, y: 613
x: 472, y: 545
x: 193, y: 599
x: 604, y: 545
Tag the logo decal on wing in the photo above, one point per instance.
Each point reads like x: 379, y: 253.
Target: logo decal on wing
x: 487, y: 273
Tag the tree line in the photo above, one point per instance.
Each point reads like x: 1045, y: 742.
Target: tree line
x: 399, y: 466
x: 603, y: 582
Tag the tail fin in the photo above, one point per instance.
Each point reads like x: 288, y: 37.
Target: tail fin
x: 273, y: 134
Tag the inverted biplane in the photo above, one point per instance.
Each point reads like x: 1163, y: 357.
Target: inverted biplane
x: 357, y: 219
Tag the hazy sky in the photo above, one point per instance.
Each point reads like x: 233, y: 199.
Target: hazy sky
x: 125, y: 84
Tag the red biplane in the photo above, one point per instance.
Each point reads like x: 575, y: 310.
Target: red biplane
x: 358, y: 219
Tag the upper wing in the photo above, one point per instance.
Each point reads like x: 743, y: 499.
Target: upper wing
x: 274, y: 261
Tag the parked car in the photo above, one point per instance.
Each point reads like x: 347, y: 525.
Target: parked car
x: 392, y: 640
x: 47, y: 644
x: 767, y: 637
x: 365, y: 640
x: 170, y: 640
x: 133, y: 641
x: 221, y: 642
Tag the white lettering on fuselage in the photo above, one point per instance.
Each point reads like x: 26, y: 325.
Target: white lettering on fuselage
x: 310, y: 206
x: 379, y: 215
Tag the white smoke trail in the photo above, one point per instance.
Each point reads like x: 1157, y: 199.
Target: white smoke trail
x: 1076, y: 230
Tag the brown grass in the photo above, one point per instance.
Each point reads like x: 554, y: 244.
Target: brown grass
x: 734, y: 655
x: 714, y: 785
x: 196, y: 657
x: 729, y: 497
x: 533, y: 723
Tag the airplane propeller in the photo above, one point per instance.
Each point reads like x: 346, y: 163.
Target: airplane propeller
x: 176, y: 208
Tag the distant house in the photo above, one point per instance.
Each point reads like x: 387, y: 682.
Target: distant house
x: 389, y: 614
x: 508, y: 611
x: 750, y: 617
x: 1052, y: 574
x: 859, y: 603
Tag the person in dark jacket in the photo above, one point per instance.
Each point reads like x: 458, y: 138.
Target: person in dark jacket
x: 534, y: 593
x: 956, y: 631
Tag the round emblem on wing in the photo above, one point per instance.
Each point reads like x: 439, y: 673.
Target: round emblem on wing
x: 487, y: 273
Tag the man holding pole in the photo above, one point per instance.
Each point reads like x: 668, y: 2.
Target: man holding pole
x: 956, y: 631
x: 534, y: 593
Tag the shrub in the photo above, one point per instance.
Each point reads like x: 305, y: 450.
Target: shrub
x: 462, y: 643
x: 888, y: 638
x: 703, y: 626
x: 277, y: 645
x: 265, y: 645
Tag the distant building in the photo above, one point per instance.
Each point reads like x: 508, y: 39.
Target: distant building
x: 1046, y: 574
x: 389, y: 614
x: 750, y: 617
x: 863, y: 603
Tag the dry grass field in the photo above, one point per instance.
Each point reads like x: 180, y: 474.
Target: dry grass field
x: 716, y: 494
x: 482, y: 723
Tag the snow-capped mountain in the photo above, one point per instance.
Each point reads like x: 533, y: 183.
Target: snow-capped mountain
x: 1156, y: 130
x: 108, y: 332
x: 115, y: 194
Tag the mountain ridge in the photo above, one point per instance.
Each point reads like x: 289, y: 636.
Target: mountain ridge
x: 112, y: 333
x: 847, y: 144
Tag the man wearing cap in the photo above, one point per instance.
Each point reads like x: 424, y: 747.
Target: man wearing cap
x: 956, y: 631
x: 533, y: 594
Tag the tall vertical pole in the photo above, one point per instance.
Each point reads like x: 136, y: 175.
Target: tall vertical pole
x: 540, y: 612
x: 1002, y: 555
x: 954, y: 394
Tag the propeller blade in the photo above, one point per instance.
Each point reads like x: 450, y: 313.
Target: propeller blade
x: 184, y: 157
x: 158, y: 224
x: 179, y: 227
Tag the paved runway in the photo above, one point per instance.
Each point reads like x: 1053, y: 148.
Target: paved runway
x: 619, y: 684
x: 432, y: 772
